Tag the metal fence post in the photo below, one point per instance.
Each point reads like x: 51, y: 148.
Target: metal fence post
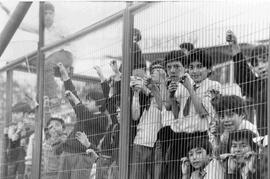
x: 268, y: 109
x: 125, y: 95
x: 37, y: 154
x: 9, y: 97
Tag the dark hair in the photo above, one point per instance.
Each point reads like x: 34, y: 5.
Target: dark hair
x: 55, y: 119
x: 258, y: 50
x: 175, y: 56
x: 188, y: 46
x: 156, y: 64
x: 21, y: 107
x: 200, y: 56
x: 99, y: 98
x: 199, y: 141
x: 48, y: 6
x: 137, y: 33
x: 240, y: 135
x: 233, y: 103
x: 138, y: 60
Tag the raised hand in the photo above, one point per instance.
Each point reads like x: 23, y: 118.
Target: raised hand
x: 232, y: 40
x: 63, y: 72
x: 99, y: 72
x: 114, y: 67
x: 92, y: 153
x: 82, y: 138
x: 70, y: 96
x: 185, y: 166
x: 147, y: 81
x: 172, y: 88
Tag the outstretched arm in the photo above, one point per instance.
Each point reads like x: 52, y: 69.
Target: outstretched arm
x: 244, y: 76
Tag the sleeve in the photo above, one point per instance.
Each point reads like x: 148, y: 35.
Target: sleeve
x: 244, y: 76
x: 105, y: 88
x: 70, y: 86
x: 82, y: 112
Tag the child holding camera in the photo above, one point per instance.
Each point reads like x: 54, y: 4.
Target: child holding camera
x: 190, y: 101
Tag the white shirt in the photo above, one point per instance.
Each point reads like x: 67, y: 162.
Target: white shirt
x: 193, y: 122
x: 150, y: 124
x: 54, y: 34
x: 29, y: 151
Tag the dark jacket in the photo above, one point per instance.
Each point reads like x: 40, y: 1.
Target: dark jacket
x: 253, y: 87
x: 94, y: 125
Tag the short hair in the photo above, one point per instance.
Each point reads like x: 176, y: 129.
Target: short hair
x: 175, y: 56
x: 156, y: 64
x: 258, y: 50
x: 200, y: 56
x: 21, y: 107
x: 55, y: 119
x: 201, y: 141
x: 240, y: 135
x: 229, y: 102
x: 48, y: 6
x: 188, y: 46
x: 97, y: 95
x: 137, y: 33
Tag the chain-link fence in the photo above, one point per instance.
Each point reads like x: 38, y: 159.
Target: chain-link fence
x: 156, y: 90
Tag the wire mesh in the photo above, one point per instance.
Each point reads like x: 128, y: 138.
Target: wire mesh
x: 198, y: 97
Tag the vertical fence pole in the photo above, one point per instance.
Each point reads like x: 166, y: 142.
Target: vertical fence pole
x: 268, y: 110
x: 9, y: 97
x: 125, y: 95
x: 37, y: 155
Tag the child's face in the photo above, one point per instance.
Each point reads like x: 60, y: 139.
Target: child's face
x: 239, y: 148
x: 197, y: 71
x: 158, y: 75
x: 230, y: 121
x: 198, y: 157
x: 175, y: 69
x: 55, y: 128
x: 48, y: 18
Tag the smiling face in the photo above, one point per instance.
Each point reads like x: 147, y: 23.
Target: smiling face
x: 230, y: 121
x: 198, y: 157
x: 198, y: 72
x: 239, y: 148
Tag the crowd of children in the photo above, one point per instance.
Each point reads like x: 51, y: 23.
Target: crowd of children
x: 182, y: 124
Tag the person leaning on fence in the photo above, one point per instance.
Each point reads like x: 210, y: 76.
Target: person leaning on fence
x: 189, y: 93
x: 73, y: 162
x: 199, y: 162
x: 17, y: 135
x: 252, y: 85
x: 231, y: 116
x: 242, y: 158
x: 53, y: 147
x: 149, y: 124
